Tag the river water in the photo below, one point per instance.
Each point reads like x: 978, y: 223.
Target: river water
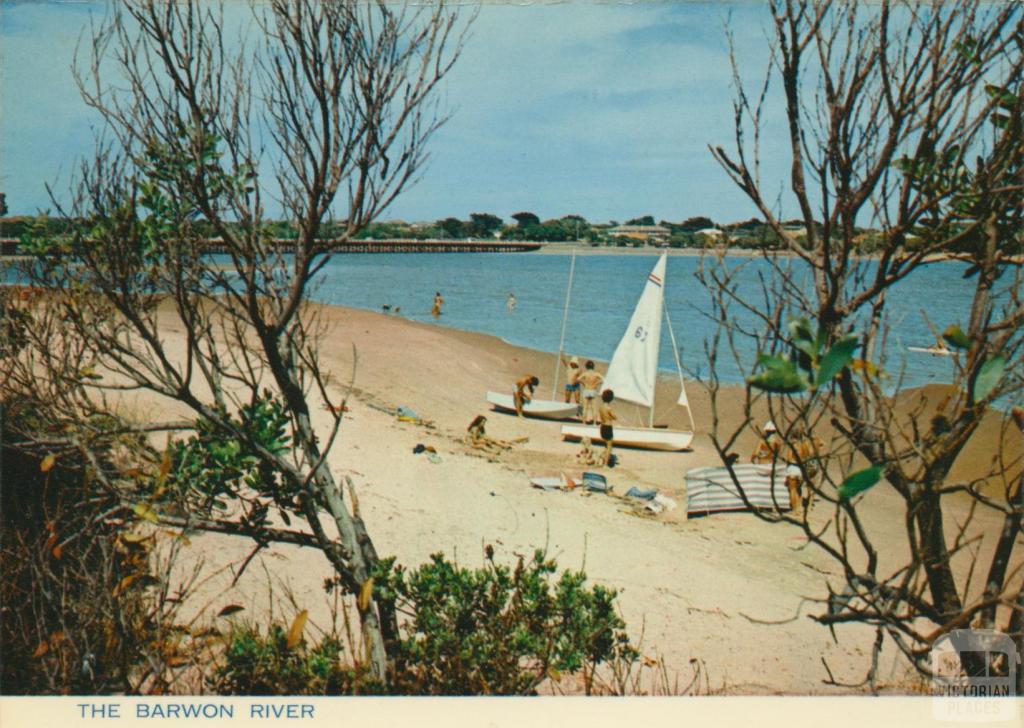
x: 605, y: 289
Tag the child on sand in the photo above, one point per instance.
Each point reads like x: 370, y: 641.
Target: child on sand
x: 586, y: 454
x: 524, y: 392
x: 590, y: 381
x: 606, y: 417
x: 477, y: 437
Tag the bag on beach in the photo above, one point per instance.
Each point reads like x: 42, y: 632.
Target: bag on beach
x: 596, y: 483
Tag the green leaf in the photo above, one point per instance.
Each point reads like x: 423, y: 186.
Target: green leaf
x: 802, y: 337
x: 146, y: 512
x: 956, y: 337
x: 988, y: 376
x: 778, y: 375
x: 860, y: 481
x: 838, y: 358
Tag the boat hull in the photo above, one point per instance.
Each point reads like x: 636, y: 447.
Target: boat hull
x: 543, y: 408
x: 646, y: 438
x: 933, y: 350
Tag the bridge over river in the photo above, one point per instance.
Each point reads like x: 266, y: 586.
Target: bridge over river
x: 10, y: 246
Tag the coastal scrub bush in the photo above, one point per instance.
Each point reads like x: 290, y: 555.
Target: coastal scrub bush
x: 281, y: 663
x: 489, y: 631
x: 79, y: 611
x: 496, y: 630
x: 210, y: 468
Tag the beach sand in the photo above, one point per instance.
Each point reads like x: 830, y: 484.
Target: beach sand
x: 688, y: 589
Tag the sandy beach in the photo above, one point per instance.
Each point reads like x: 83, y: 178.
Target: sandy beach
x: 690, y: 590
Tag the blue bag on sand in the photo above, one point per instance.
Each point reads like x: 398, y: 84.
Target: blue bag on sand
x: 595, y: 482
x: 642, y: 494
x: 405, y: 412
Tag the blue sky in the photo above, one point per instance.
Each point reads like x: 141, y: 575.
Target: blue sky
x: 599, y: 109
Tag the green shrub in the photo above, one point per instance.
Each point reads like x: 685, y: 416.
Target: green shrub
x: 497, y: 630
x: 488, y: 631
x: 210, y: 468
x: 258, y: 664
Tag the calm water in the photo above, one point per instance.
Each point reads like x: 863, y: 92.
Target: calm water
x: 605, y: 289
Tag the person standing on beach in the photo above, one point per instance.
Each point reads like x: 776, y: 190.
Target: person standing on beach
x: 590, y: 381
x: 572, y: 384
x: 524, y: 392
x: 767, y: 451
x: 802, y: 470
x: 511, y: 305
x: 606, y: 417
x: 438, y: 302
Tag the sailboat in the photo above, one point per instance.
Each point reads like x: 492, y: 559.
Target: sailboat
x: 550, y: 409
x: 633, y: 373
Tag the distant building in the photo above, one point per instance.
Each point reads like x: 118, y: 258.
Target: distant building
x: 647, y: 234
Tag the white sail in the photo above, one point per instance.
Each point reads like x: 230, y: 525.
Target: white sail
x: 634, y: 367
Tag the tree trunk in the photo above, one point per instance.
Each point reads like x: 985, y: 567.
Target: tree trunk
x: 995, y: 582
x: 935, y: 556
x: 357, y: 570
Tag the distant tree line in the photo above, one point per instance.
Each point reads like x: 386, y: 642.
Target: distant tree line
x: 693, y: 232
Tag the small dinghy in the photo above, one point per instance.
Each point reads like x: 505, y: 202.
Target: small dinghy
x: 933, y: 350
x: 633, y: 374
x: 546, y: 408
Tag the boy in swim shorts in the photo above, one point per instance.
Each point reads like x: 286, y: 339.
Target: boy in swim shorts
x: 606, y: 417
x: 590, y: 381
x: 572, y: 385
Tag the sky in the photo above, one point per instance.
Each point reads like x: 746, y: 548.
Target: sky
x: 601, y: 109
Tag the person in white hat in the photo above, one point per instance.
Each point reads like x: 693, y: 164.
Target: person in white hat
x: 767, y: 450
x: 572, y: 380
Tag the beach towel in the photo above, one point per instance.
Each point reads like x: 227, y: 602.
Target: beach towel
x: 665, y: 502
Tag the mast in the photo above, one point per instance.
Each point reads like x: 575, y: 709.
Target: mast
x: 565, y: 320
x: 683, y: 399
x: 654, y: 392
